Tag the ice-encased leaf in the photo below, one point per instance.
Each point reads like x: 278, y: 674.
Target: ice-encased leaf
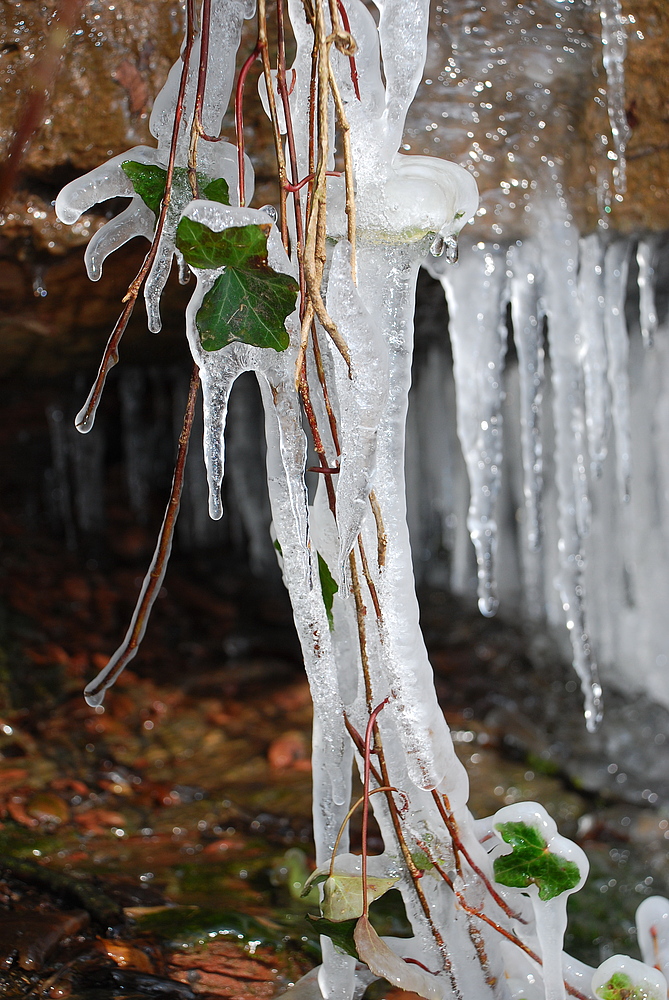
x: 148, y: 180
x: 235, y: 246
x: 328, y: 586
x: 217, y: 190
x: 250, y: 301
x: 249, y: 307
x: 383, y: 962
x: 342, y: 895
x: 624, y: 978
x: 531, y: 862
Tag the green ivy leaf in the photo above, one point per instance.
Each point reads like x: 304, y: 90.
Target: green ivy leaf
x: 421, y: 861
x: 619, y: 987
x: 250, y: 301
x: 328, y: 586
x: 340, y: 932
x: 249, y: 307
x: 238, y: 246
x: 217, y: 190
x: 530, y: 861
x: 148, y: 180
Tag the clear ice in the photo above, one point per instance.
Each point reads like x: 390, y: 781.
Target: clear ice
x: 411, y: 210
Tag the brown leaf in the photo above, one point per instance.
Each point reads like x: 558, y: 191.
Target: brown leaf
x: 126, y: 956
x: 134, y: 85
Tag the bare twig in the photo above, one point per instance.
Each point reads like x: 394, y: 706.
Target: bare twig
x: 156, y: 572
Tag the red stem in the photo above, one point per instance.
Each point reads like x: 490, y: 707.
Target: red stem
x: 365, y: 805
x: 239, y: 120
x: 459, y: 847
x: 300, y: 184
x: 351, y: 59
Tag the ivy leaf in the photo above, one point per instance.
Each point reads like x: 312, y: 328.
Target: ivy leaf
x: 530, y: 861
x: 217, y: 190
x: 340, y: 932
x: 328, y: 586
x: 238, y: 246
x: 148, y: 180
x: 619, y: 987
x: 249, y: 307
x: 342, y: 895
x: 250, y: 301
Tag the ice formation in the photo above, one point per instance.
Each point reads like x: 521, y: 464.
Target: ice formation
x: 478, y: 932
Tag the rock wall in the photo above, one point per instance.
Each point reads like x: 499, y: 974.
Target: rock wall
x: 119, y: 55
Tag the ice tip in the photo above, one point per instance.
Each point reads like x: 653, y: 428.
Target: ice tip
x: 93, y: 695
x: 593, y: 712
x: 488, y: 606
x: 84, y: 420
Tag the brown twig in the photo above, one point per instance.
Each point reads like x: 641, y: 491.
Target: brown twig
x: 381, y: 537
x: 445, y: 811
x: 156, y: 572
x: 110, y: 356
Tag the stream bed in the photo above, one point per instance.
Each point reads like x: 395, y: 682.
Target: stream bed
x: 157, y: 847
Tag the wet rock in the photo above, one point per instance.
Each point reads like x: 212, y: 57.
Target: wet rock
x: 30, y: 938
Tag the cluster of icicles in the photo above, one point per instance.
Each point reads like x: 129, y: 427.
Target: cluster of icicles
x: 489, y: 941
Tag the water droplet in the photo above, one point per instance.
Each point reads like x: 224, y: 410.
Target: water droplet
x: 184, y: 271
x: 451, y: 244
x: 39, y: 291
x: 437, y: 247
x: 271, y: 211
x: 488, y: 605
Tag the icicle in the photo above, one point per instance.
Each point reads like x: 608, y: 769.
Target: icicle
x: 527, y: 318
x: 645, y: 256
x: 617, y: 343
x: 61, y: 492
x: 652, y: 923
x: 104, y: 182
x: 136, y: 220
x: 362, y: 398
x: 614, y: 48
x: 478, y: 337
x: 559, y: 253
x: 594, y: 350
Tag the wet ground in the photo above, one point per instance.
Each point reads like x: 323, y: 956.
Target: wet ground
x: 157, y: 847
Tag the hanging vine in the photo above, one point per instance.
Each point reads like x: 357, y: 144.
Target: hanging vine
x: 316, y: 298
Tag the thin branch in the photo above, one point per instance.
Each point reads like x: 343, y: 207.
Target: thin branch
x: 110, y: 357
x: 274, y: 117
x: 239, y: 121
x: 156, y: 573
x: 381, y: 537
x: 365, y: 805
x: 445, y: 811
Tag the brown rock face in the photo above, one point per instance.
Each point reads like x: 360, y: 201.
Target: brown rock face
x: 515, y: 90
x: 115, y: 61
